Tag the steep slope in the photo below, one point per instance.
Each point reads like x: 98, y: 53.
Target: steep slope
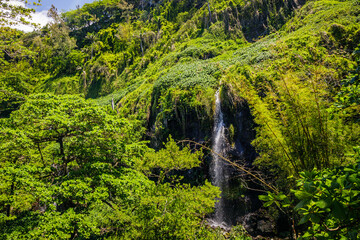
x: 287, y: 73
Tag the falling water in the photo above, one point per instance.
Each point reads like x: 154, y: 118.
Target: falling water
x: 217, y: 168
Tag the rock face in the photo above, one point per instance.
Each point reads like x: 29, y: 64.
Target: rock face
x: 239, y: 133
x: 259, y: 223
x: 240, y: 205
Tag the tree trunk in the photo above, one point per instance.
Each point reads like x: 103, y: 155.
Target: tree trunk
x: 62, y: 154
x: 141, y: 44
x: 209, y: 13
x: 42, y: 158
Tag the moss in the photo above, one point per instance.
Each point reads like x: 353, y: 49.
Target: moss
x: 183, y: 112
x: 232, y: 134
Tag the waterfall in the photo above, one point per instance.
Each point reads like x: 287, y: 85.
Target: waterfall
x: 217, y: 168
x: 236, y: 204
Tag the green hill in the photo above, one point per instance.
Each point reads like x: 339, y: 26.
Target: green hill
x: 86, y: 100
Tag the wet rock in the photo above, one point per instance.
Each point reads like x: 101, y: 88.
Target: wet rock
x: 266, y: 226
x: 259, y: 223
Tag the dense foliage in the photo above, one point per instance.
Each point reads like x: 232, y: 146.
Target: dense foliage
x: 330, y: 200
x: 70, y: 168
x: 13, y: 13
x: 87, y: 104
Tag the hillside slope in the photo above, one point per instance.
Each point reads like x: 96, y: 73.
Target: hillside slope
x: 288, y: 77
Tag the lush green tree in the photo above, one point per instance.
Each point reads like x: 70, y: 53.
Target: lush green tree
x: 97, y: 15
x: 70, y: 143
x: 12, y: 13
x: 18, y: 78
x: 161, y: 213
x: 296, y: 129
x: 78, y: 171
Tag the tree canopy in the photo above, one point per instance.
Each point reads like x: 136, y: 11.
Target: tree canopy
x: 97, y: 109
x: 70, y: 168
x: 15, y: 12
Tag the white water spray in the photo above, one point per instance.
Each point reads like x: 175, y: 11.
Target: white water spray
x: 217, y: 168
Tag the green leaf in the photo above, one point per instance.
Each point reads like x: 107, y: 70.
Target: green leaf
x: 286, y: 205
x: 354, y: 178
x: 349, y: 170
x: 301, y: 204
x: 341, y: 181
x: 302, y: 195
x: 281, y: 197
x: 304, y: 219
x: 323, y: 203
x: 264, y: 197
x: 269, y: 203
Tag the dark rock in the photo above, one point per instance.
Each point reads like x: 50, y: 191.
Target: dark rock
x: 241, y: 202
x: 259, y: 223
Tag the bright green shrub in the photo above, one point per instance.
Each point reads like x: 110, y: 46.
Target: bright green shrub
x: 329, y: 200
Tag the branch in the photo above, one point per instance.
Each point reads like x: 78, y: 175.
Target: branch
x: 235, y: 165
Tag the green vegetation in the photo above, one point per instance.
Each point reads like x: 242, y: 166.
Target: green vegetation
x: 88, y: 105
x: 329, y: 199
x: 70, y: 168
x: 12, y: 14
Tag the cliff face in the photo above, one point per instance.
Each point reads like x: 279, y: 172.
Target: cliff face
x: 258, y: 18
x: 185, y: 118
x: 241, y: 205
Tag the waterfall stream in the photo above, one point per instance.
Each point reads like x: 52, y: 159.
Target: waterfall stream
x: 236, y: 205
x: 217, y: 167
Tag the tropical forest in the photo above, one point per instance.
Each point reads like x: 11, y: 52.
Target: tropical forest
x: 181, y: 119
